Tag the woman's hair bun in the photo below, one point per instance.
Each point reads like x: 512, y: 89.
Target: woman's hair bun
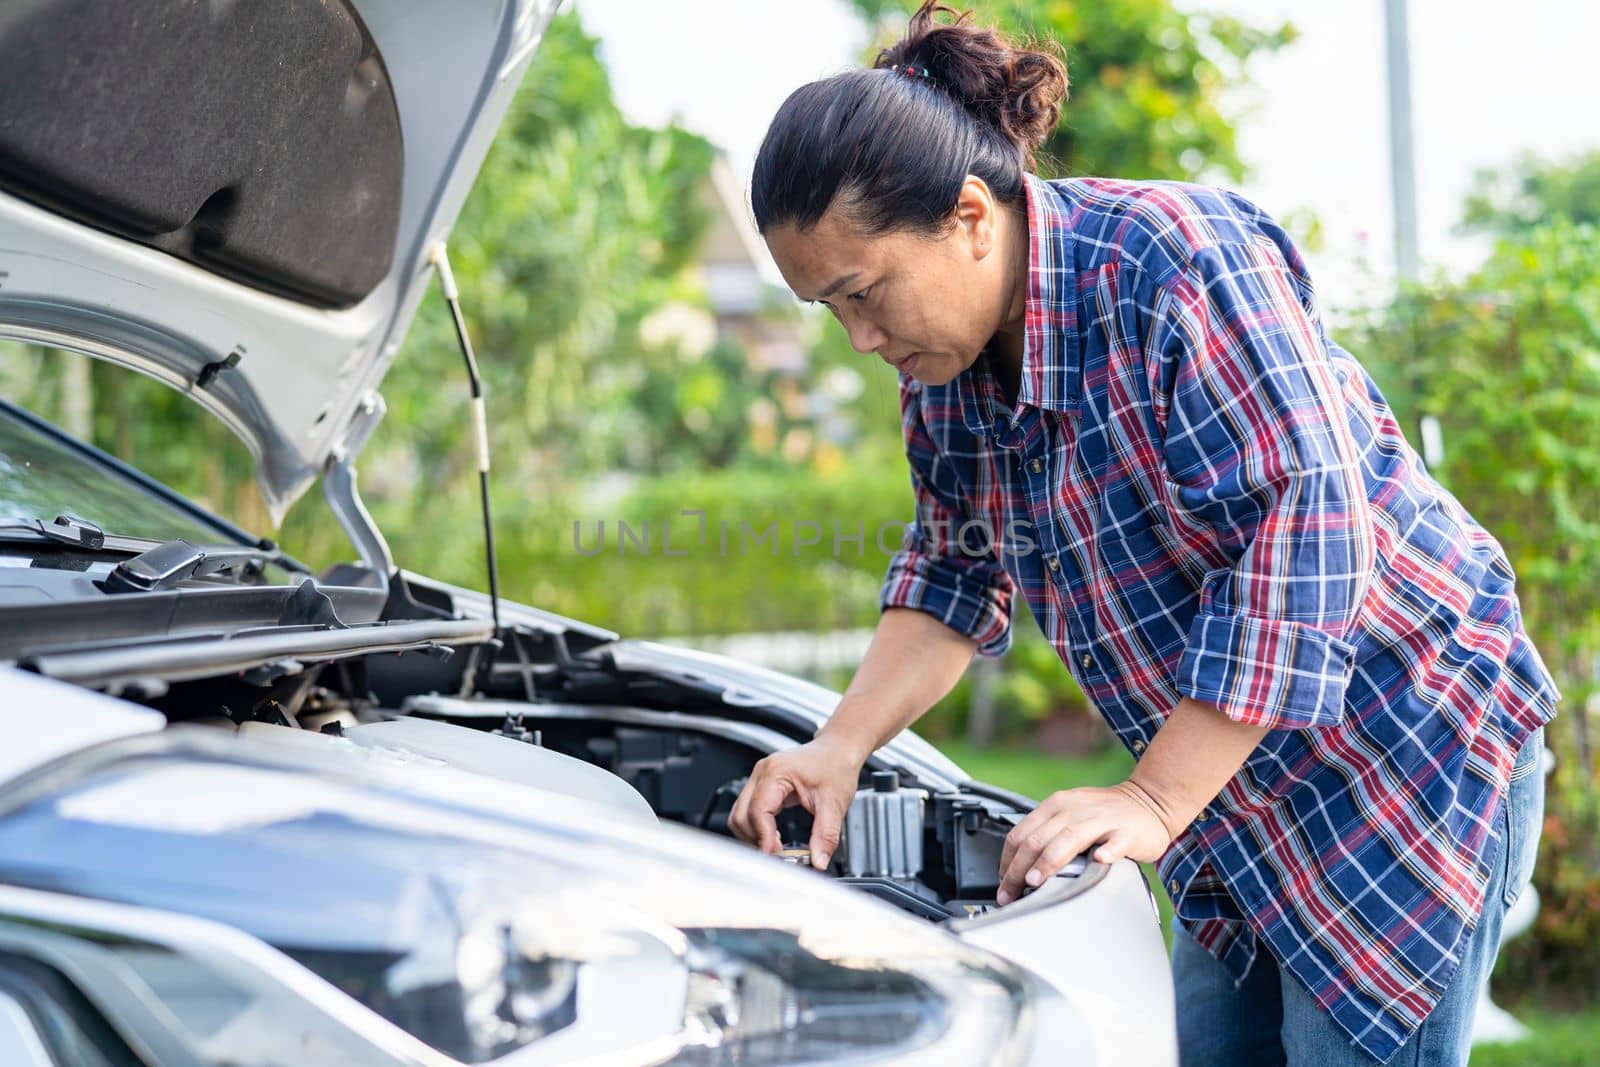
x: 1016, y: 89
x: 894, y: 149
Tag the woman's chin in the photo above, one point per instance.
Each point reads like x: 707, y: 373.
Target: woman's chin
x: 930, y: 369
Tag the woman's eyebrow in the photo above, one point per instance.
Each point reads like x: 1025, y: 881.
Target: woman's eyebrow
x: 838, y: 282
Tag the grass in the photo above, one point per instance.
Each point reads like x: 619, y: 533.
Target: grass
x: 1036, y: 775
x: 1555, y: 1039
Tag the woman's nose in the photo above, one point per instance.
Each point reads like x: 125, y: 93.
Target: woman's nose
x: 865, y: 337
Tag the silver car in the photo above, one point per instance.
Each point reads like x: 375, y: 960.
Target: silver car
x: 253, y: 815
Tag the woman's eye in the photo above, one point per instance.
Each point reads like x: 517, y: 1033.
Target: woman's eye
x: 862, y: 295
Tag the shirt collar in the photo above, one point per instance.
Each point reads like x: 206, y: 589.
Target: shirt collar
x: 1052, y: 369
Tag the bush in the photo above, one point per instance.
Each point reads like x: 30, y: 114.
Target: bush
x: 1509, y: 362
x: 1028, y: 688
x: 746, y: 567
x: 1557, y: 959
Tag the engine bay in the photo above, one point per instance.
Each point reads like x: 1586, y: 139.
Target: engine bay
x: 931, y: 851
x: 930, y: 847
x: 680, y: 729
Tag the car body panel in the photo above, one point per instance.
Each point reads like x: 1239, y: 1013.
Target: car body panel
x: 120, y: 832
x: 46, y: 719
x: 1097, y: 954
x: 423, y: 745
x: 20, y: 1044
x: 1090, y: 945
x: 301, y: 389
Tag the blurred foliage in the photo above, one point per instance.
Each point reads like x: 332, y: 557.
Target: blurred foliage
x: 1036, y: 775
x: 1150, y: 82
x: 1524, y: 328
x: 763, y: 557
x: 141, y: 422
x: 1533, y: 192
x: 1033, y: 698
x: 1509, y: 362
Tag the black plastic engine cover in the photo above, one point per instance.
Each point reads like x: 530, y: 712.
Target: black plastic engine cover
x: 258, y: 140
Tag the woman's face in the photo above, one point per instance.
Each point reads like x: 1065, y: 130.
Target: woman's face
x: 927, y: 305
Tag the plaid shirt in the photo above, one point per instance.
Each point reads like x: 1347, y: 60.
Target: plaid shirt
x: 1201, y: 495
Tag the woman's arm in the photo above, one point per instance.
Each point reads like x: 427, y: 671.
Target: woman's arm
x: 941, y: 603
x: 913, y: 662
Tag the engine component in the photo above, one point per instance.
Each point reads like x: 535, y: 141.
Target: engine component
x: 676, y: 771
x: 883, y: 830
x: 972, y: 841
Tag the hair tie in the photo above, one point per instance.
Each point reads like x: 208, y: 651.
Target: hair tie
x: 912, y: 71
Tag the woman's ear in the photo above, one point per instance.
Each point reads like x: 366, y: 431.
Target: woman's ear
x: 978, y: 215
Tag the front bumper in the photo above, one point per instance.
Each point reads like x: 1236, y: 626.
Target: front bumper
x: 1093, y: 951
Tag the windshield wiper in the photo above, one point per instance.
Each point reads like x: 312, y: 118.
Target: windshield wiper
x: 172, y: 562
x: 65, y: 529
x: 151, y: 565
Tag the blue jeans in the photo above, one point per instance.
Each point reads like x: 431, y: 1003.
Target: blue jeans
x: 1271, y: 1019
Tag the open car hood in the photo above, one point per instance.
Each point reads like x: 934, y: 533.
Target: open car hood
x: 241, y: 199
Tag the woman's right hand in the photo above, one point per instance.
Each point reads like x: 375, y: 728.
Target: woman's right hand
x: 820, y: 775
x: 914, y: 660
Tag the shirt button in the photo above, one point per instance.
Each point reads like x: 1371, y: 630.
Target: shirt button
x: 1206, y: 815
x: 1054, y: 564
x: 1138, y: 744
x: 1172, y: 889
x: 1087, y: 660
x: 1037, y: 466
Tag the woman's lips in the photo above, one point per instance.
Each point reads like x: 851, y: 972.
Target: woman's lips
x: 905, y: 363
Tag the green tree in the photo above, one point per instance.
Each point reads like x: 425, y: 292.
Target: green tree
x: 1534, y: 191
x: 1509, y: 362
x: 1150, y: 83
x: 138, y: 420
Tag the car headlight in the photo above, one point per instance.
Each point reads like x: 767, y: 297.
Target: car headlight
x: 761, y: 996
x: 486, y: 938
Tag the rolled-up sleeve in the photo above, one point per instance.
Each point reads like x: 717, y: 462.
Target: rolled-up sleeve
x: 1262, y: 465
x: 966, y: 588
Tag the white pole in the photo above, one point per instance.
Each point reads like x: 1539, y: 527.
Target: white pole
x: 1402, y: 158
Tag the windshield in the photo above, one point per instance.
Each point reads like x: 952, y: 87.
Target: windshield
x: 42, y: 476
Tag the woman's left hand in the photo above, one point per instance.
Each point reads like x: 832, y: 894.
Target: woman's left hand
x: 1124, y: 820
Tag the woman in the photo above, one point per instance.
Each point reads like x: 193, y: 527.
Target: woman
x: 1119, y: 397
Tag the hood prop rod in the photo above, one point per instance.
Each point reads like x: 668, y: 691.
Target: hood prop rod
x: 440, y: 258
